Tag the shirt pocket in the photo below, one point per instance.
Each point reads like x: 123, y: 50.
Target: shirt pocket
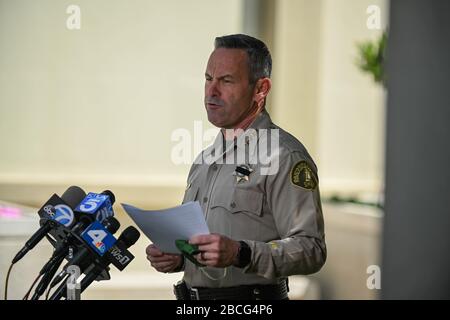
x: 190, y: 194
x: 239, y: 201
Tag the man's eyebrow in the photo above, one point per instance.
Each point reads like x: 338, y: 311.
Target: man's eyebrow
x: 221, y: 77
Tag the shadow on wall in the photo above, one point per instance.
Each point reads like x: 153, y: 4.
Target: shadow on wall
x: 353, y: 237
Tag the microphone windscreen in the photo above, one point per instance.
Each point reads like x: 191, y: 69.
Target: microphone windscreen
x: 111, y: 224
x: 73, y: 196
x: 129, y: 236
x: 111, y: 196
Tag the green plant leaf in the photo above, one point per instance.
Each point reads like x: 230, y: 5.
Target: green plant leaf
x: 371, y: 58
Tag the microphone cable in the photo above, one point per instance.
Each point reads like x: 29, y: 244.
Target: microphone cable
x: 47, y: 277
x: 26, y: 296
x: 7, y: 279
x: 47, y: 293
x: 51, y: 286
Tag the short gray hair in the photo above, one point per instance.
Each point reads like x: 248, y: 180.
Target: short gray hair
x: 259, y: 58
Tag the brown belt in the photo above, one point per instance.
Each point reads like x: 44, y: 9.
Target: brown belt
x: 247, y: 292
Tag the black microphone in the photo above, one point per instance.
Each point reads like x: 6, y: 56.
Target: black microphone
x: 92, y: 207
x: 73, y: 196
x: 82, y: 219
x: 68, y: 235
x: 111, y: 224
x: 111, y: 196
x: 117, y: 254
x: 68, y: 201
x: 84, y: 256
x: 128, y: 237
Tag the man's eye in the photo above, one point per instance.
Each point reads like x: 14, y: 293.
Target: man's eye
x: 227, y: 81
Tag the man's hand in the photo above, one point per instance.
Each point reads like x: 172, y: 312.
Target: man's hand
x: 162, y: 262
x: 216, y: 250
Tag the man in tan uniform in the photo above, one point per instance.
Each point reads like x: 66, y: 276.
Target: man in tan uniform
x: 257, y: 186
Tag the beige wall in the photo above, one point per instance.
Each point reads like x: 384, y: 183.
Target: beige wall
x: 337, y: 111
x: 97, y: 106
x: 322, y: 97
x: 353, y: 234
x: 297, y: 37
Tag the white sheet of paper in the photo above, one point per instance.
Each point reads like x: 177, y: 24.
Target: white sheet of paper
x: 163, y: 227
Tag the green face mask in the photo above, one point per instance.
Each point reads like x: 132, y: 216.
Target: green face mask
x: 188, y: 250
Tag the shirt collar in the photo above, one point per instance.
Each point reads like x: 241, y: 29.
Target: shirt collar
x: 262, y: 121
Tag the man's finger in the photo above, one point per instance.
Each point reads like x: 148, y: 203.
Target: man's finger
x: 200, y: 258
x: 163, y: 258
x: 152, y: 250
x: 202, y: 239
x: 210, y: 247
x: 167, y: 269
x: 162, y: 265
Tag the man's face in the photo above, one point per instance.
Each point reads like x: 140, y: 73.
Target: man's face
x: 228, y: 93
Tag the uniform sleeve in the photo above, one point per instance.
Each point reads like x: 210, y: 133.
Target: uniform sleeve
x: 293, y: 198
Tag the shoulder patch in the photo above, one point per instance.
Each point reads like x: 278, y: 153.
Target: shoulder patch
x: 303, y: 176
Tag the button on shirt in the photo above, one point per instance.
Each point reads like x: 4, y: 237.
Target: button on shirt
x: 274, y: 207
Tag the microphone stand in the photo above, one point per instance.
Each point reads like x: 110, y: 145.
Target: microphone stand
x: 68, y: 284
x: 55, y: 262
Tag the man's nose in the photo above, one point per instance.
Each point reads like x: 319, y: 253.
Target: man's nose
x: 212, y: 89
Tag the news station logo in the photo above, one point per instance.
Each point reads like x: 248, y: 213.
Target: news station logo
x: 98, y: 204
x: 100, y: 247
x: 58, y: 211
x: 63, y: 214
x: 98, y: 238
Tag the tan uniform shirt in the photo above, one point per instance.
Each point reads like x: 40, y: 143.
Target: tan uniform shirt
x: 277, y: 213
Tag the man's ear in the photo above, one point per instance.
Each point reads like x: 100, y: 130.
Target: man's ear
x: 262, y: 89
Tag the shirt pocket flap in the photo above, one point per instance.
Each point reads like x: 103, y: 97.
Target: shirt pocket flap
x: 190, y: 194
x: 240, y: 200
